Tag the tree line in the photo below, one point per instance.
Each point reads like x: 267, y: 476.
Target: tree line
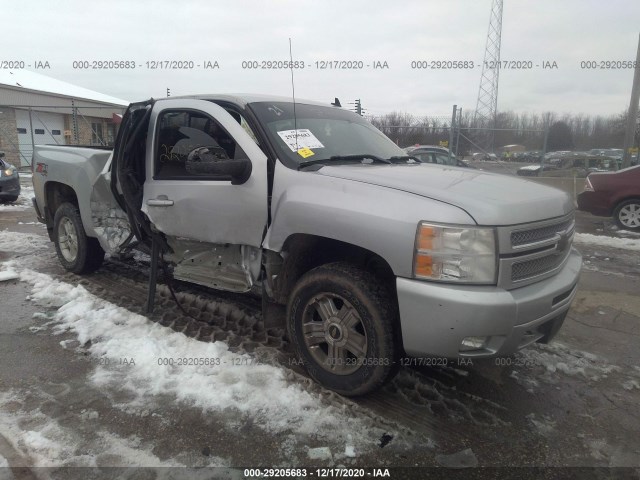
x: 568, y: 131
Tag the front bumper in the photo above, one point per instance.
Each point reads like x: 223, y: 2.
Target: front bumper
x: 9, y: 186
x: 435, y: 317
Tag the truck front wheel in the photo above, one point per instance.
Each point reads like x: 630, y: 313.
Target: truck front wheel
x: 341, y: 320
x: 77, y: 252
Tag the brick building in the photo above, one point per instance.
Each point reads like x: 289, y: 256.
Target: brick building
x: 36, y: 109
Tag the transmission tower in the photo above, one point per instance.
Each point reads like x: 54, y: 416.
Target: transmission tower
x: 487, y: 105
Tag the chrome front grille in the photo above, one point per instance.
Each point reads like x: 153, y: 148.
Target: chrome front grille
x: 535, y: 235
x: 532, y: 252
x: 537, y: 266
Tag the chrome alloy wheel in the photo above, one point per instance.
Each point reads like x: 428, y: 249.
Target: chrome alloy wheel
x: 334, y: 334
x: 68, y: 240
x: 629, y: 215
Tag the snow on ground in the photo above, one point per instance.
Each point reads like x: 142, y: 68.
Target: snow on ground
x: 43, y: 442
x: 620, y: 231
x: 8, y: 275
x: 11, y: 207
x: 604, y: 241
x: 21, y: 242
x: 23, y: 202
x: 530, y: 384
x: 558, y: 358
x: 544, y: 426
x: 147, y: 360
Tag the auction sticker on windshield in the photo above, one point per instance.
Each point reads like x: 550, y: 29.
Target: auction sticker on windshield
x: 300, y: 138
x: 305, y: 152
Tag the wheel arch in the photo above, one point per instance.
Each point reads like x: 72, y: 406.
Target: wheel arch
x: 55, y: 194
x: 625, y: 198
x: 303, y: 252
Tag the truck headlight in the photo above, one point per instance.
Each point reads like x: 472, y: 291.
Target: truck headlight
x: 8, y: 172
x: 455, y: 254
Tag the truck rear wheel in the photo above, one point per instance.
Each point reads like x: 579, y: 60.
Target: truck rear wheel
x: 342, y: 321
x: 77, y: 252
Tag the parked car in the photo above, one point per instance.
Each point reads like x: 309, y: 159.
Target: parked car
x: 481, y: 156
x: 410, y: 148
x: 431, y: 148
x: 362, y: 254
x: 569, y: 165
x: 438, y: 155
x: 557, y: 154
x: 533, y: 156
x: 9, y: 181
x: 614, y: 194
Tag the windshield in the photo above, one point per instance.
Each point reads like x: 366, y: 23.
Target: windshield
x: 319, y: 133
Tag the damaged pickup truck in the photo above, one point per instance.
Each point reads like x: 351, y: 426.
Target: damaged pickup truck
x: 367, y: 253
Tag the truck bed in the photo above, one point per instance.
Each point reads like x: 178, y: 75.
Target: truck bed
x: 78, y: 174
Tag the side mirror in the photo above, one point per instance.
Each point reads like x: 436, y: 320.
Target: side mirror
x: 213, y: 161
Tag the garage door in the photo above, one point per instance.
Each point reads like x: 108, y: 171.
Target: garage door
x: 47, y: 128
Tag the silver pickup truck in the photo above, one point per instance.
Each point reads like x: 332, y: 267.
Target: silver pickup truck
x: 364, y: 253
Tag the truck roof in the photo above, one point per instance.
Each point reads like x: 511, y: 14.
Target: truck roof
x: 245, y: 98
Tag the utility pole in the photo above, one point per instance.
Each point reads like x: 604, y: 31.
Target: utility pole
x: 632, y: 118
x: 74, y: 122
x: 452, y: 126
x: 458, y: 129
x: 546, y: 139
x: 33, y: 143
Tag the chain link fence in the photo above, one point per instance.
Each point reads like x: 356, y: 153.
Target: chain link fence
x: 465, y: 140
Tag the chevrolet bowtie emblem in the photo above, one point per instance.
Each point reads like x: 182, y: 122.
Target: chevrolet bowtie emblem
x: 563, y: 242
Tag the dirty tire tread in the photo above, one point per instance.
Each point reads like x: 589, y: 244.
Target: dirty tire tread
x: 378, y: 300
x: 90, y: 254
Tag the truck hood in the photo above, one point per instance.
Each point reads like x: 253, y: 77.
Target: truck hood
x: 491, y: 199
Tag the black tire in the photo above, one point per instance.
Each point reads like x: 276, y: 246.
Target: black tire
x: 627, y: 214
x: 9, y: 199
x: 87, y: 256
x: 367, y: 303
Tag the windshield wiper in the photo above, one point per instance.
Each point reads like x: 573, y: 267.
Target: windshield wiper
x: 357, y: 157
x: 362, y: 156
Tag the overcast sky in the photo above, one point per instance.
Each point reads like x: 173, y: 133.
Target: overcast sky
x: 398, y: 32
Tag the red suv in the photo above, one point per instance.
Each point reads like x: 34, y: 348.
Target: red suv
x: 614, y: 194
